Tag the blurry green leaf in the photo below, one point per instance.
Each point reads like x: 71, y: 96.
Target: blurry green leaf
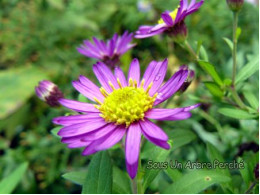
x: 196, y: 181
x: 252, y: 100
x: 229, y: 42
x: 121, y: 182
x: 76, y: 177
x: 156, y: 155
x: 199, y: 44
x: 238, y: 32
x: 245, y: 172
x: 236, y: 113
x: 210, y: 69
x: 99, y: 176
x: 248, y: 70
x: 203, y: 54
x: 55, y: 131
x: 174, y: 174
x: 214, y: 89
x: 8, y: 184
x: 18, y: 85
x: 213, y: 155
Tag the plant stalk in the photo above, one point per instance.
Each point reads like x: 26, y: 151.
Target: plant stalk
x: 234, y: 53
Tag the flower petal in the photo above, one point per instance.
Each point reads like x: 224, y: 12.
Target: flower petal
x: 134, y: 71
x: 152, y: 130
x: 120, y: 75
x: 132, y: 143
x: 132, y: 169
x: 157, y: 142
x: 167, y: 18
x: 161, y: 113
x: 78, y: 106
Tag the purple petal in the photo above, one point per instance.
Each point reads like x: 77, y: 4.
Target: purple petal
x: 152, y: 130
x: 132, y: 143
x: 78, y: 106
x: 188, y: 108
x: 132, y: 169
x: 147, y: 74
x: 134, y: 71
x: 167, y: 19
x: 73, y: 119
x: 120, y: 75
x: 82, y: 128
x: 171, y: 86
x: 79, y: 144
x: 145, y: 32
x: 160, y: 113
x: 160, y: 143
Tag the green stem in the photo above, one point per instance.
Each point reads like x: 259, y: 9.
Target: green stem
x: 134, y: 186
x: 237, y: 98
x: 234, y: 54
x: 140, y: 177
x: 190, y: 50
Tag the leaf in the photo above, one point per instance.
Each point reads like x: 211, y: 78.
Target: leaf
x: 214, y: 89
x: 174, y: 174
x: 157, y: 154
x: 18, y: 85
x: 236, y: 113
x: 245, y: 173
x: 8, y: 184
x: 196, y: 181
x: 252, y: 100
x: 248, y: 70
x: 55, y: 131
x: 210, y: 69
x: 229, y: 42
x: 203, y: 54
x: 238, y: 32
x: 99, y: 176
x: 121, y: 182
x: 76, y: 177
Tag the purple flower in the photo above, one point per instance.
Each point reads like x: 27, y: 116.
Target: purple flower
x: 171, y: 22
x: 122, y: 106
x: 48, y: 92
x: 109, y: 52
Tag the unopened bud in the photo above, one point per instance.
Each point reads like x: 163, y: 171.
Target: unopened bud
x: 48, y: 92
x: 235, y: 5
x: 189, y: 79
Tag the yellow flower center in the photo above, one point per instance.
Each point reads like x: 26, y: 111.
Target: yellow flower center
x: 125, y: 104
x: 173, y: 15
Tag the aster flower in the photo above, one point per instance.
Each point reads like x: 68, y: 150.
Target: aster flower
x: 109, y: 52
x: 171, y: 23
x: 48, y: 92
x: 235, y: 5
x: 122, y: 106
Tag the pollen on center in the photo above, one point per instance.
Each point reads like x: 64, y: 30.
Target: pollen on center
x: 126, y: 105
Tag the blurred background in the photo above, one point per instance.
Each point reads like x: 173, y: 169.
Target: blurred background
x: 38, y: 40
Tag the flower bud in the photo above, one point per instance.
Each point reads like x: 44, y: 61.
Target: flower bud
x: 189, y: 79
x: 179, y: 32
x: 48, y: 92
x: 235, y: 5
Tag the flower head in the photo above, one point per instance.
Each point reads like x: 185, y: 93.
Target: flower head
x: 189, y: 79
x: 235, y: 5
x: 48, y: 92
x: 109, y: 52
x: 122, y: 106
x: 172, y: 22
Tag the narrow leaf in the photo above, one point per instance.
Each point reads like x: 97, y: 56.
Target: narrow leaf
x: 121, y: 182
x: 236, y: 113
x: 196, y: 181
x: 55, y: 131
x: 252, y: 100
x: 229, y: 42
x: 248, y: 70
x: 76, y: 177
x: 203, y: 54
x: 214, y: 89
x: 210, y: 69
x: 8, y: 184
x: 99, y: 176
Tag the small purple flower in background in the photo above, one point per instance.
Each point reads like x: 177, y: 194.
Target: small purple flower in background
x: 144, y: 5
x: 109, y: 52
x: 122, y: 106
x: 171, y: 23
x: 235, y: 5
x: 49, y: 92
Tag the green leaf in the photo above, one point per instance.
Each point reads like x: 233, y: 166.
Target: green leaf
x: 76, y: 177
x: 203, y: 54
x: 248, y: 70
x: 196, y: 181
x: 229, y: 42
x: 214, y: 89
x: 245, y: 172
x: 121, y: 182
x: 8, y: 184
x: 17, y: 81
x: 210, y: 69
x: 157, y: 154
x: 55, y: 131
x: 174, y: 174
x: 238, y: 32
x: 99, y: 176
x: 236, y: 113
x: 252, y: 100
